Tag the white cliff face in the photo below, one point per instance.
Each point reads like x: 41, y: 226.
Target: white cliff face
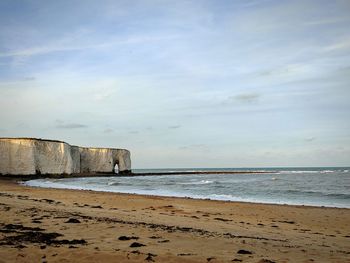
x: 17, y: 156
x: 53, y: 157
x: 96, y: 160
x: 21, y: 156
x: 75, y: 152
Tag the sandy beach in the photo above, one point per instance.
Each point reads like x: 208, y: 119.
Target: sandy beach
x: 51, y: 225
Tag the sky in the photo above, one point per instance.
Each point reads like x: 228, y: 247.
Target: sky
x: 181, y: 83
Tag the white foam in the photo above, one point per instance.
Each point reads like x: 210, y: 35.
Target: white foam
x: 197, y: 182
x: 288, y: 189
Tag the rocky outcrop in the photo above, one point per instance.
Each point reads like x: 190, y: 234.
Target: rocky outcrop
x: 104, y: 159
x: 26, y: 156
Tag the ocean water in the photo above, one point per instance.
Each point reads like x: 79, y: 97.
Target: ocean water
x: 328, y: 187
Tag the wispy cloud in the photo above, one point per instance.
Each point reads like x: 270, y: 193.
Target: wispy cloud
x: 71, y: 126
x: 174, y: 127
x: 343, y: 44
x: 29, y: 78
x: 108, y: 130
x: 290, y: 70
x: 310, y: 139
x: 104, y: 93
x: 327, y: 21
x: 64, y: 125
x: 193, y: 147
x: 66, y: 44
x: 243, y: 98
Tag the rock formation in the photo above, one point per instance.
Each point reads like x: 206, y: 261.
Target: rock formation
x: 26, y: 156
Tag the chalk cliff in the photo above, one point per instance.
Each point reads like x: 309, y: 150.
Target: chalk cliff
x: 26, y: 156
x: 104, y: 159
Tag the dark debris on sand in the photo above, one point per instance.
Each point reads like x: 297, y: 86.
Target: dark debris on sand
x: 125, y: 238
x: 266, y: 261
x: 150, y: 257
x: 137, y: 244
x: 244, y: 252
x: 73, y: 221
x: 34, y: 235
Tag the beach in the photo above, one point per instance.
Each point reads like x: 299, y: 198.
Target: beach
x: 59, y: 225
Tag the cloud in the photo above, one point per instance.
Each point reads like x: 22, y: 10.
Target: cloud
x: 71, y: 126
x: 104, y: 93
x: 243, y: 98
x: 174, y: 127
x: 193, y: 146
x: 62, y: 125
x: 70, y: 44
x: 327, y: 21
x: 310, y: 139
x: 338, y: 46
x: 108, y: 130
x: 291, y: 70
x: 29, y: 79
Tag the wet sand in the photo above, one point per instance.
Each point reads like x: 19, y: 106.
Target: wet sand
x: 51, y: 225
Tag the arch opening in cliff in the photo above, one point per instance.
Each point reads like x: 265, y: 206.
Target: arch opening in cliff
x: 116, y: 168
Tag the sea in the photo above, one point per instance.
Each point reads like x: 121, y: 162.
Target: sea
x: 316, y: 186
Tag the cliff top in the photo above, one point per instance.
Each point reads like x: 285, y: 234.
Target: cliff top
x: 29, y: 138
x: 102, y: 148
x: 49, y: 140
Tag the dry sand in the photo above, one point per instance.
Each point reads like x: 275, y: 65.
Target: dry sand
x: 49, y: 225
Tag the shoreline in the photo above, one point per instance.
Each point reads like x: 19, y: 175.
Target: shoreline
x: 185, y: 197
x: 129, y: 174
x: 164, y: 192
x: 170, y: 229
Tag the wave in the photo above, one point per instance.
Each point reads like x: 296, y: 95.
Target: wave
x: 221, y: 197
x: 224, y: 197
x: 198, y: 182
x: 113, y: 183
x: 319, y: 193
x: 325, y: 171
x: 320, y: 187
x: 300, y: 172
